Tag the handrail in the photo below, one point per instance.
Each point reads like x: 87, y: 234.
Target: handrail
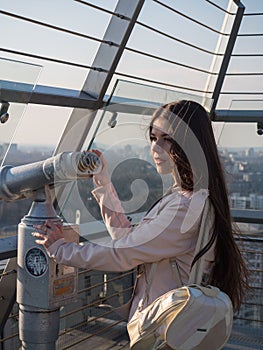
x: 8, y: 246
x: 47, y: 95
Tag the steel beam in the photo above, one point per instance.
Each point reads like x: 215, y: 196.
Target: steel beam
x: 228, y: 53
x: 239, y: 116
x: 249, y: 216
x: 13, y: 91
x: 99, y: 77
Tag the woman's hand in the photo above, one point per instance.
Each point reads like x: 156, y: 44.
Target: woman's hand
x: 103, y: 177
x: 52, y: 232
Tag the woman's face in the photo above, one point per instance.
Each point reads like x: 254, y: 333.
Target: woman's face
x: 161, y: 145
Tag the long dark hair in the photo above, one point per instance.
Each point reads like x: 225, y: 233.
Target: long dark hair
x: 188, y: 118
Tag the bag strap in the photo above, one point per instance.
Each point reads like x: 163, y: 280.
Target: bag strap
x: 149, y: 280
x: 152, y: 273
x: 197, y: 270
x: 196, y: 273
x: 177, y: 275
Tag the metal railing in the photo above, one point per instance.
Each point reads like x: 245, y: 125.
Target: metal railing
x: 66, y: 97
x: 99, y: 292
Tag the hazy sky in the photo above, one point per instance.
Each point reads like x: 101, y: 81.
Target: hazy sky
x: 44, y: 124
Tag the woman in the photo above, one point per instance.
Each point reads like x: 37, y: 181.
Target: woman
x: 182, y: 143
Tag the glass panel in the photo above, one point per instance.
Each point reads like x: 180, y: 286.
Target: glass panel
x: 151, y: 96
x: 122, y: 137
x: 243, y: 159
x: 14, y: 75
x: 246, y: 104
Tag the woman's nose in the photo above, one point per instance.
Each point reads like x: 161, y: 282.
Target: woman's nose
x: 156, y: 146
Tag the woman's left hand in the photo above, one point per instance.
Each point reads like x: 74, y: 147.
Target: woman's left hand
x: 52, y: 232
x: 103, y: 177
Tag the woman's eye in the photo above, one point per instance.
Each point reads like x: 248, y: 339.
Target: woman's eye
x: 168, y: 139
x: 152, y: 138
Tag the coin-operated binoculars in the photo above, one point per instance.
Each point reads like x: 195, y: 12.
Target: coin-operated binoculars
x: 42, y: 285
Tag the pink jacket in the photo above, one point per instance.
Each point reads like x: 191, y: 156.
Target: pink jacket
x: 168, y: 230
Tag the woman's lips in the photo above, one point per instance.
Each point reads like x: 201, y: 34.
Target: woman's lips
x: 159, y: 161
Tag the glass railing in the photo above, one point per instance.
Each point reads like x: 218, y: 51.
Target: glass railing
x: 242, y: 156
x: 121, y: 133
x: 11, y: 74
x: 15, y: 131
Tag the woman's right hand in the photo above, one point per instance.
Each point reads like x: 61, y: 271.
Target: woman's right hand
x: 103, y: 177
x: 49, y: 233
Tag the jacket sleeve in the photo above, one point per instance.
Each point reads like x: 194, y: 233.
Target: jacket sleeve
x: 168, y: 233
x: 112, y: 212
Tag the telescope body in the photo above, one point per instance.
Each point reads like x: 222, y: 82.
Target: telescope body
x: 18, y: 182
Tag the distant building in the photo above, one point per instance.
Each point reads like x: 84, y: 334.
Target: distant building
x: 239, y: 202
x: 256, y: 201
x: 253, y: 201
x: 13, y: 147
x: 250, y: 152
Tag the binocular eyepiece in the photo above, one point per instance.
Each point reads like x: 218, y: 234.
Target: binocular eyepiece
x: 260, y: 128
x: 90, y: 163
x: 4, y: 115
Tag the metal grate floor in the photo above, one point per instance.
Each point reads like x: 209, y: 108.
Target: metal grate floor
x: 111, y: 335
x: 106, y: 334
